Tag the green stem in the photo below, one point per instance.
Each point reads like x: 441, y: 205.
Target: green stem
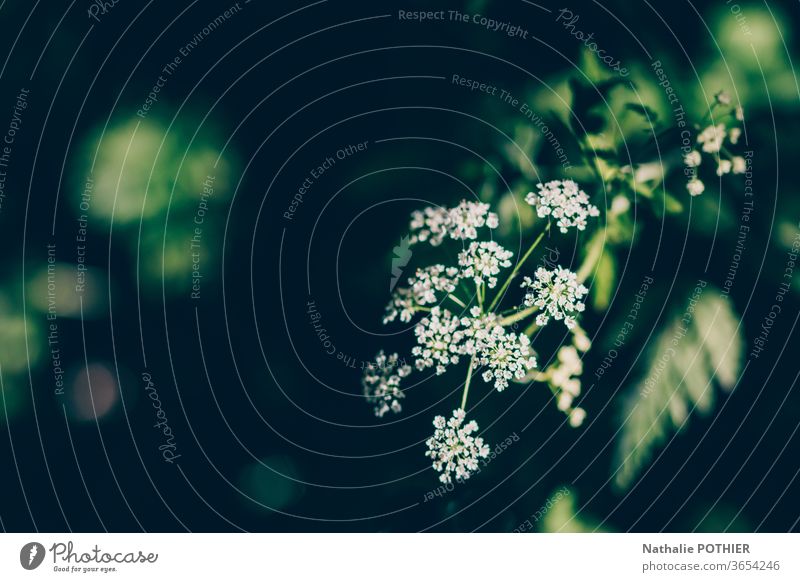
x: 593, y: 256
x: 457, y: 300
x: 466, y: 383
x: 519, y: 315
x: 518, y: 266
x: 531, y: 328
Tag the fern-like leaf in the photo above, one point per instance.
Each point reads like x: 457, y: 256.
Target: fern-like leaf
x: 701, y: 347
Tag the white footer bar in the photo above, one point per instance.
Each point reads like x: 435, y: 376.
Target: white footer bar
x: 389, y: 557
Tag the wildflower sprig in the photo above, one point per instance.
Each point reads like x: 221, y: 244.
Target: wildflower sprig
x: 711, y: 143
x: 455, y: 326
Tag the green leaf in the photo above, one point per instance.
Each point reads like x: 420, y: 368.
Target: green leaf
x: 605, y: 281
x: 647, y: 112
x: 672, y: 204
x: 560, y: 515
x: 701, y: 347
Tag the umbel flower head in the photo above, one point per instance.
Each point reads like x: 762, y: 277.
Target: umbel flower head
x: 427, y: 287
x: 453, y: 449
x: 557, y: 293
x: 565, y: 202
x: 438, y: 336
x: 434, y: 224
x: 482, y: 262
x: 381, y: 383
x: 504, y: 354
x: 711, y: 142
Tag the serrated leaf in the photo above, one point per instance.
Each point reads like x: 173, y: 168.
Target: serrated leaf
x: 701, y: 347
x: 718, y: 323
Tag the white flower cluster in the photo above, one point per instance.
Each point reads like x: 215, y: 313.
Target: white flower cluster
x: 461, y: 222
x: 443, y: 338
x: 557, y: 293
x: 565, y: 202
x: 422, y: 290
x: 438, y: 336
x: 505, y: 355
x: 381, y: 383
x: 482, y: 261
x: 453, y: 449
x: 568, y: 387
x: 712, y: 142
x: 433, y: 279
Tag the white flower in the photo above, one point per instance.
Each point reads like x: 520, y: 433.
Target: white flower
x: 565, y: 202
x: 581, y: 341
x: 564, y: 401
x: 724, y: 167
x: 402, y: 304
x: 455, y: 452
x: 461, y: 222
x: 483, y: 260
x: 561, y: 373
x: 734, y: 135
x: 429, y: 224
x: 381, y: 383
x: 558, y: 293
x: 467, y: 217
x: 422, y: 290
x: 438, y: 336
x: 739, y: 165
x: 576, y: 417
x: 505, y: 355
x: 570, y: 360
x: 723, y: 98
x: 692, y: 159
x: 739, y: 113
x: 429, y: 280
x: 695, y: 187
x: 711, y: 138
x: 620, y: 205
